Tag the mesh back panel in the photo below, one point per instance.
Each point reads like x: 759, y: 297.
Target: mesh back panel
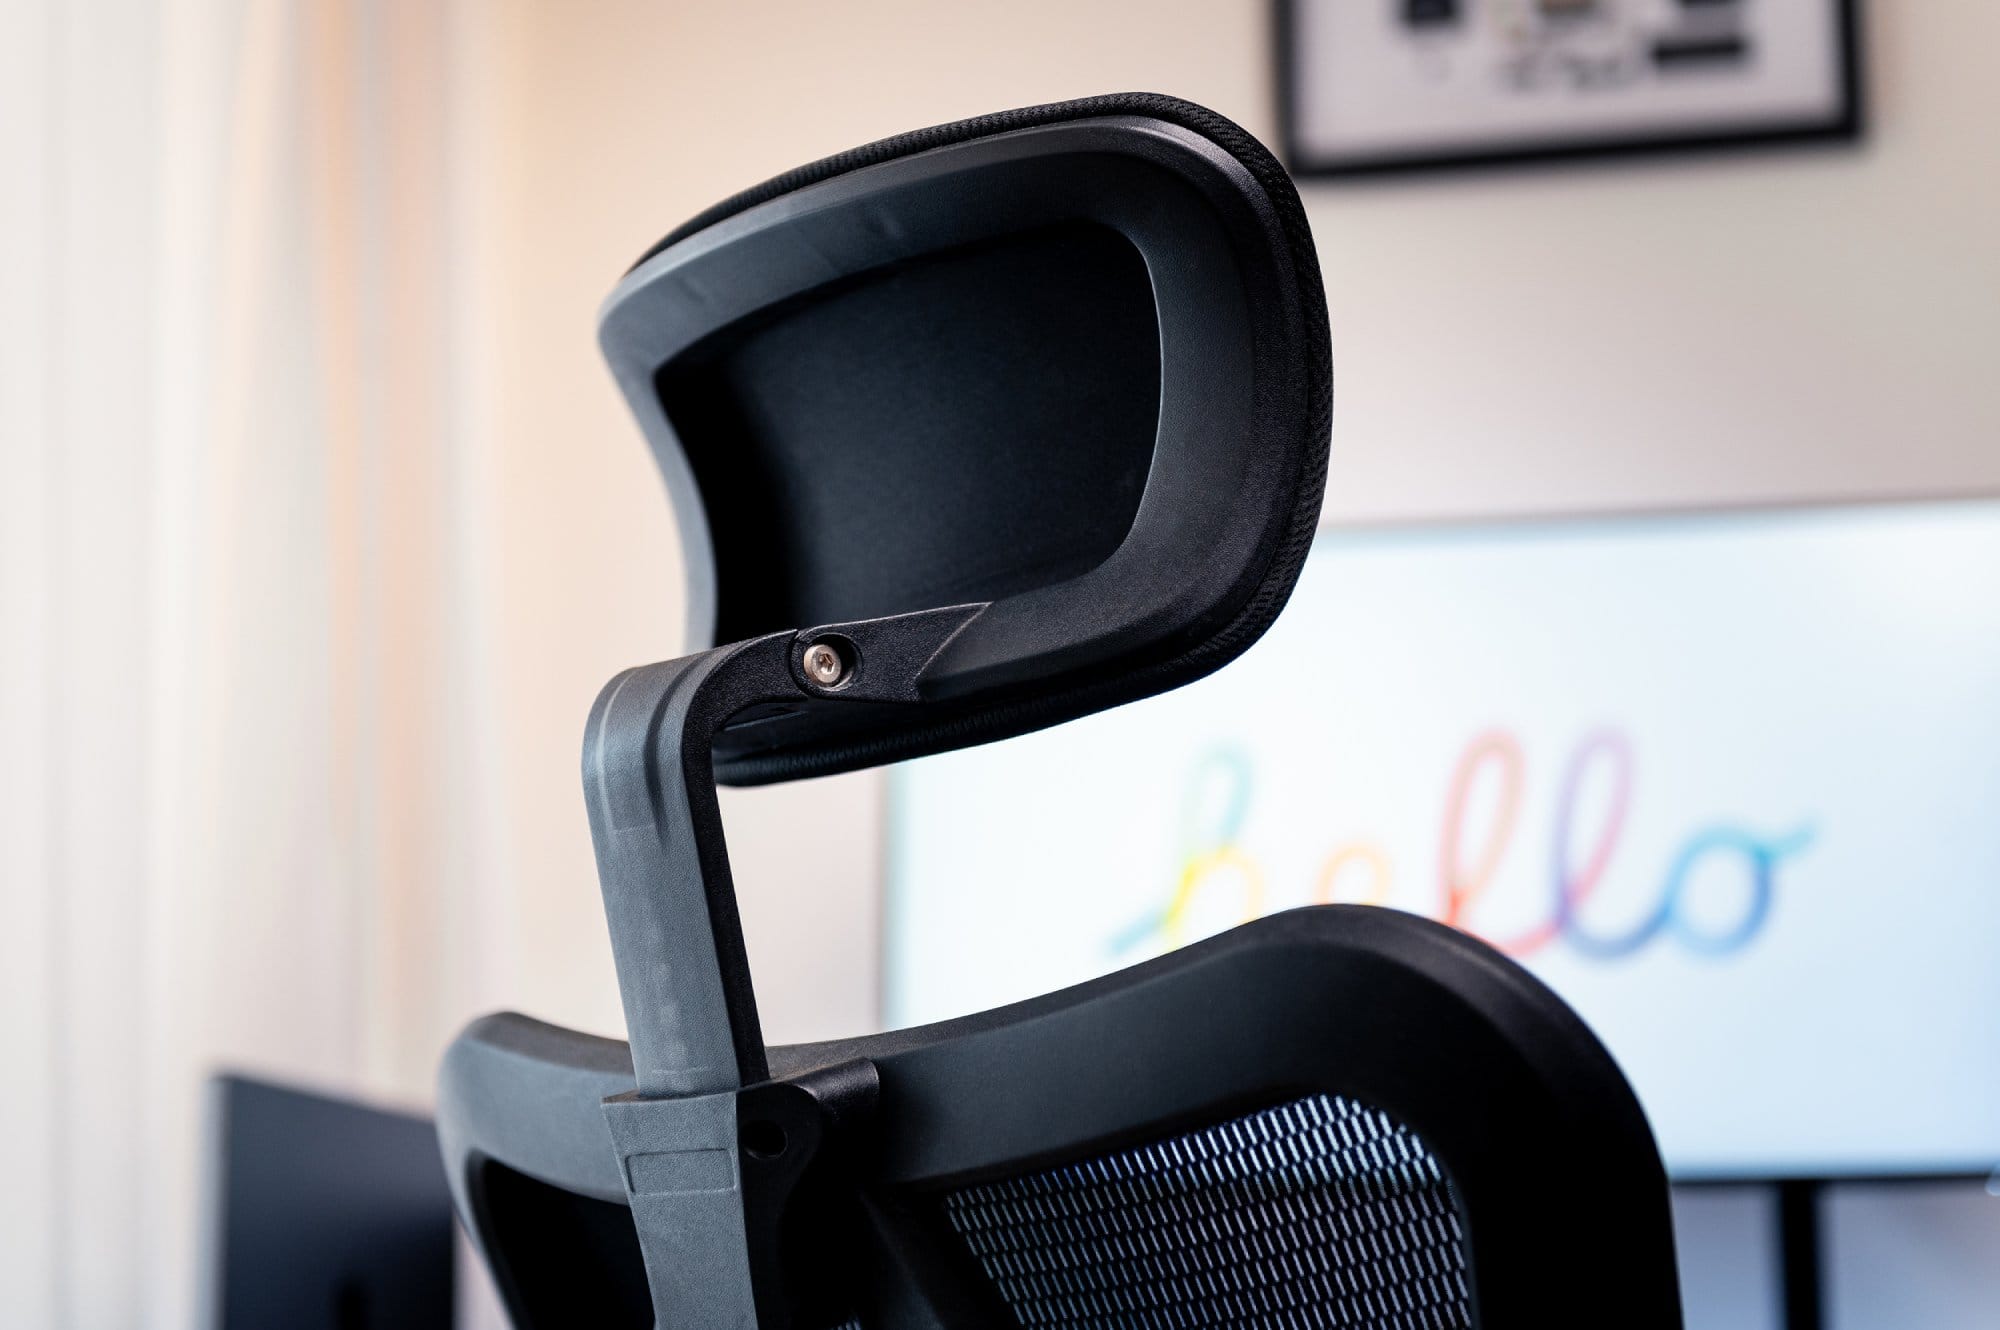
x: 1320, y: 1212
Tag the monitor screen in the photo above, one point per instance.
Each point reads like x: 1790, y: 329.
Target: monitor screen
x: 1729, y: 783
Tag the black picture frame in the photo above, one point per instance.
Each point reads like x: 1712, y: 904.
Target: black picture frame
x: 1847, y: 125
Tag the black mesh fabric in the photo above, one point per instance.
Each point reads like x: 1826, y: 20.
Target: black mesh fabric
x: 1320, y: 1212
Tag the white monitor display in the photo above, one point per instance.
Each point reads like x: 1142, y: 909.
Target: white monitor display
x: 1729, y: 783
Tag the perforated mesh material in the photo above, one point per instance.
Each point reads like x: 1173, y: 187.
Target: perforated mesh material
x: 1320, y: 1212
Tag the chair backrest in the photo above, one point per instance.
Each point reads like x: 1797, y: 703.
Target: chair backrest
x: 971, y: 432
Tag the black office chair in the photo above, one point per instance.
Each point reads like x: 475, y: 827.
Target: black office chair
x: 971, y: 432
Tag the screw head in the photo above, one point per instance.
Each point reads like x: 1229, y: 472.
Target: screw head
x: 823, y: 665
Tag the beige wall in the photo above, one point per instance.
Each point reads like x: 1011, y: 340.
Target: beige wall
x: 1795, y: 325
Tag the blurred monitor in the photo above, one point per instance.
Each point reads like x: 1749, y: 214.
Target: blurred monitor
x: 329, y: 1215
x: 1730, y: 783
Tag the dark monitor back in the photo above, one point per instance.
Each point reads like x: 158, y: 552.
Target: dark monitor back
x: 331, y: 1215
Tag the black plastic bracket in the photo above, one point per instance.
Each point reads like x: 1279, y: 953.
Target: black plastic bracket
x: 743, y: 1202
x: 668, y: 896
x: 683, y: 1182
x: 711, y: 1152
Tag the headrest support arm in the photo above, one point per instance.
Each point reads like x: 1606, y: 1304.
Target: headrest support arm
x: 648, y: 779
x: 708, y: 1237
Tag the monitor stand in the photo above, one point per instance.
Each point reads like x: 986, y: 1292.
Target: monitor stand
x: 1801, y: 1266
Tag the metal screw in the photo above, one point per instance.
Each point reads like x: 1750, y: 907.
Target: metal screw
x: 823, y: 665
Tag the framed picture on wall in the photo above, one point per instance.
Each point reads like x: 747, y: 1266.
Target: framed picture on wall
x: 1368, y: 86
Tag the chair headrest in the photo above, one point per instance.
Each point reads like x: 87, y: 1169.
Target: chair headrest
x: 1064, y: 370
